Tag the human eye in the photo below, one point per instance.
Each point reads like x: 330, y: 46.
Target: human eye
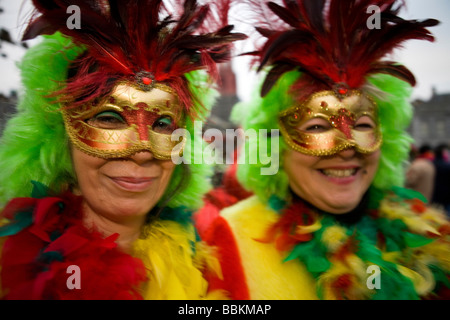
x: 108, y: 120
x: 317, y: 125
x: 365, y: 123
x: 164, y: 124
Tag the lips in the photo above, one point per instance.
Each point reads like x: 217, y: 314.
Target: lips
x: 133, y: 184
x: 340, y: 175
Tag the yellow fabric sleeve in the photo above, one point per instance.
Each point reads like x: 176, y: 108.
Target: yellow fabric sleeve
x: 268, y: 277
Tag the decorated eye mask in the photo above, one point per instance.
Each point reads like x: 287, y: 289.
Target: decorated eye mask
x: 129, y: 121
x: 328, y: 123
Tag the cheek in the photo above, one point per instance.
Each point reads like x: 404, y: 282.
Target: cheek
x: 167, y: 169
x: 86, y: 168
x: 299, y: 168
x: 373, y: 161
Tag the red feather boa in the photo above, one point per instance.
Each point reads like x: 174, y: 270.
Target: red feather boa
x: 35, y: 260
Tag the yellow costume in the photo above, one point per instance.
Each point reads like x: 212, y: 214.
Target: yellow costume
x: 406, y: 241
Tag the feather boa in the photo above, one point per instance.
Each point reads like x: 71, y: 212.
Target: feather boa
x: 167, y: 250
x: 45, y: 236
x: 407, y: 240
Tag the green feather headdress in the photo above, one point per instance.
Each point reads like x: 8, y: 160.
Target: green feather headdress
x: 394, y: 111
x: 34, y: 145
x: 317, y: 45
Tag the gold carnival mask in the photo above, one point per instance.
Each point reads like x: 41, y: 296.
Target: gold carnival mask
x: 328, y: 123
x: 128, y: 121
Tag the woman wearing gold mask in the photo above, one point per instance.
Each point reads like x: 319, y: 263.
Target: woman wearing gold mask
x: 333, y: 222
x: 109, y: 212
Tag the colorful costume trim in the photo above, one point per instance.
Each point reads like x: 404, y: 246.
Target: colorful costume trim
x: 45, y: 236
x: 301, y: 254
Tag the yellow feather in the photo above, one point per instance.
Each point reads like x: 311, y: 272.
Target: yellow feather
x: 217, y: 295
x: 207, y: 258
x: 309, y: 229
x: 166, y: 250
x: 334, y: 237
x: 358, y: 290
x: 423, y: 282
x: 429, y: 221
x: 392, y: 256
x: 435, y: 215
x: 440, y: 250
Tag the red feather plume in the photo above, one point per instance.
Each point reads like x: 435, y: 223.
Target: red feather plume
x: 166, y: 39
x: 330, y: 42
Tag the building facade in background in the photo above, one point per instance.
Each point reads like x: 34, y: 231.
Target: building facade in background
x: 431, y: 122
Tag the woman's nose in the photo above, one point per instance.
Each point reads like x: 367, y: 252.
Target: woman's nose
x: 347, y: 153
x: 142, y: 157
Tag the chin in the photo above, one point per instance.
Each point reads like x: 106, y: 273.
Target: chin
x: 347, y: 199
x: 131, y: 209
x: 341, y: 209
x: 341, y: 206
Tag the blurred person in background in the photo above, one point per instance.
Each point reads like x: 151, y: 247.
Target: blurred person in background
x: 441, y: 194
x: 421, y: 172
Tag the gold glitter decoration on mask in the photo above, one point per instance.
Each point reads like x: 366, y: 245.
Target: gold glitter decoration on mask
x: 139, y: 127
x: 339, y: 129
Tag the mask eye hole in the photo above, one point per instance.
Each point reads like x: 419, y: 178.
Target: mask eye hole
x: 108, y: 120
x: 316, y: 125
x: 164, y: 125
x: 365, y: 123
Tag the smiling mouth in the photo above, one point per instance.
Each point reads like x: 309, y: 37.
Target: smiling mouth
x: 339, y: 173
x: 133, y: 184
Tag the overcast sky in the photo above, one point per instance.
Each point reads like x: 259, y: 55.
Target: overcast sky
x: 429, y: 62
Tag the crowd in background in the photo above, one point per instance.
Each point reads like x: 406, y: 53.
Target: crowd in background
x: 429, y: 173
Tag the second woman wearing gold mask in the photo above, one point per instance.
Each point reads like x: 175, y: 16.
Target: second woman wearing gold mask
x: 333, y: 222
